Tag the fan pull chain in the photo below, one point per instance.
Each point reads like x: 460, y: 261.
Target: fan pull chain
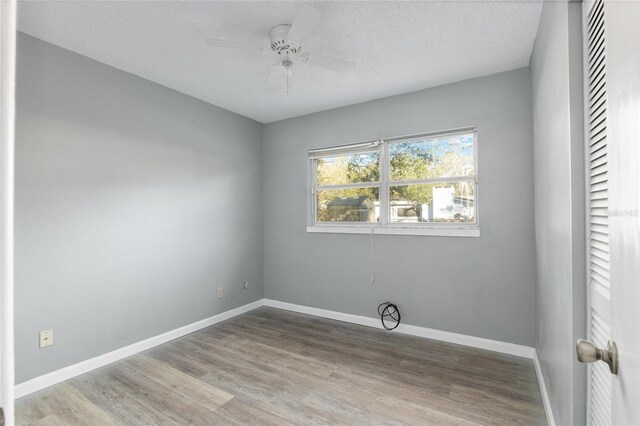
x: 287, y: 73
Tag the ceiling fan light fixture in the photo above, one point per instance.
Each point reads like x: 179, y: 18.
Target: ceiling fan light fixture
x: 279, y: 41
x: 285, y: 42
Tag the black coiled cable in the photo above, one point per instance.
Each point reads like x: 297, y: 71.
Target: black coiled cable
x: 389, y: 312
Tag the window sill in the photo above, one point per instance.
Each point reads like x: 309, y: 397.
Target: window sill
x: 397, y: 230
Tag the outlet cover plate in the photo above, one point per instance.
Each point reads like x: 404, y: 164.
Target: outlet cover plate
x: 46, y: 338
x: 220, y: 293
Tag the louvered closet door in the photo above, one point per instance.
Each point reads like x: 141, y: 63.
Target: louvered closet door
x: 599, y: 289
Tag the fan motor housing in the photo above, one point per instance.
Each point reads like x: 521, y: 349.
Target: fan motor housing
x: 279, y: 42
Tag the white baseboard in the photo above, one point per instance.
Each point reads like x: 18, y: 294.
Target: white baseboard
x: 543, y: 390
x: 82, y: 367
x: 49, y: 379
x: 414, y: 330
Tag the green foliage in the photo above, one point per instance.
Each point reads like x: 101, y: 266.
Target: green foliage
x: 411, y: 160
x: 418, y: 159
x: 357, y: 168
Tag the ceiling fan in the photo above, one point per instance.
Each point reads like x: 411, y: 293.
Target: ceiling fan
x: 286, y: 45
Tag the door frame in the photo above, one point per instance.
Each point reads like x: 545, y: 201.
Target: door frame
x: 7, y: 146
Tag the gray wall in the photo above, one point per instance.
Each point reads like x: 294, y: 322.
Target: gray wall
x: 556, y: 85
x: 133, y: 203
x: 476, y: 286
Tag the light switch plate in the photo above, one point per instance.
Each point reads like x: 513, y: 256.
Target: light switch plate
x: 46, y: 338
x: 220, y: 293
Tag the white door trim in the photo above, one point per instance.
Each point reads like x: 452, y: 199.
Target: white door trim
x: 7, y: 132
x: 546, y: 401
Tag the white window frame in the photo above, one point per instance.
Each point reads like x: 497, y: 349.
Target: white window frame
x: 384, y: 227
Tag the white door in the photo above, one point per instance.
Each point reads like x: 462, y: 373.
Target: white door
x: 612, y: 103
x: 623, y: 80
x: 597, y: 181
x: 7, y: 119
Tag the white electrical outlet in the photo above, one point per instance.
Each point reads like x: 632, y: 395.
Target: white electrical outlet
x: 220, y: 293
x: 245, y: 286
x: 46, y: 338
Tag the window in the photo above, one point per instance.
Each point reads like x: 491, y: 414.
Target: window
x: 424, y: 184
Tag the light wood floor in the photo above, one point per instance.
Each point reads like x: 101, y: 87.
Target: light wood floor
x: 276, y: 367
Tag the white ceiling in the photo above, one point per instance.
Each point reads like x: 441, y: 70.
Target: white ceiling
x: 398, y: 47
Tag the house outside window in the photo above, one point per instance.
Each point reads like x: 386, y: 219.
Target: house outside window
x: 422, y: 184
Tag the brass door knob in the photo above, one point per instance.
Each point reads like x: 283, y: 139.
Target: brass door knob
x: 588, y: 352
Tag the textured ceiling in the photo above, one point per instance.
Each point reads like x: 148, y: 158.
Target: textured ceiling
x: 398, y: 46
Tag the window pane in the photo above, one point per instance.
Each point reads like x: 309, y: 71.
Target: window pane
x: 442, y: 156
x: 348, y: 205
x: 449, y: 202
x: 345, y: 169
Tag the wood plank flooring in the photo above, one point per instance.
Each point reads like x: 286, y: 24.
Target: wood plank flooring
x: 273, y: 367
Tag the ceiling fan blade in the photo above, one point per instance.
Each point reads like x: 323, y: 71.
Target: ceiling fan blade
x: 308, y: 18
x: 245, y: 47
x: 276, y: 75
x: 332, y: 64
